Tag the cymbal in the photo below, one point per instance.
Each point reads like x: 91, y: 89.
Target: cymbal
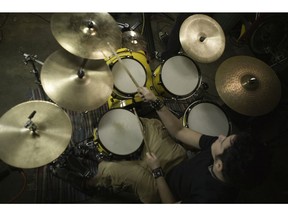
x: 76, y: 87
x: 133, y: 41
x: 202, y: 38
x: 25, y: 148
x: 86, y: 34
x: 248, y: 85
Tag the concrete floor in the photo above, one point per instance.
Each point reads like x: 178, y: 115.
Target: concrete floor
x: 31, y: 33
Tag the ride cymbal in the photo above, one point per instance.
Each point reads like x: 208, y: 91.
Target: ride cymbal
x: 86, y: 34
x: 133, y: 41
x: 202, y: 38
x: 74, y: 83
x: 248, y: 85
x: 31, y: 139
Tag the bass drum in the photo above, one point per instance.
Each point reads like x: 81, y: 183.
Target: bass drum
x: 207, y: 118
x: 178, y: 77
x: 119, y: 134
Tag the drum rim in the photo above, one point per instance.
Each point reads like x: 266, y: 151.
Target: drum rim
x: 101, y: 143
x: 193, y: 104
x: 190, y: 93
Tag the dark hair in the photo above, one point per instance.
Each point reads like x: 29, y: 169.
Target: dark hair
x: 245, y: 161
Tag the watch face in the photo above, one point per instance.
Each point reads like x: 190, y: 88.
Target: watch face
x: 157, y: 172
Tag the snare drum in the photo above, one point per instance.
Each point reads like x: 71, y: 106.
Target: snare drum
x: 207, y: 118
x: 178, y: 77
x: 137, y: 64
x: 119, y: 133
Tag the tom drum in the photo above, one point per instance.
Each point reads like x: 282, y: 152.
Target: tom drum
x: 178, y: 77
x: 207, y: 118
x: 119, y: 133
x: 137, y: 64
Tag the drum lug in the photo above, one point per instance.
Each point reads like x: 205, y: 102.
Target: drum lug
x: 199, y: 93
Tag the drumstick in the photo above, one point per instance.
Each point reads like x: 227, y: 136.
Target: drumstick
x: 103, y: 54
x: 124, y: 66
x: 142, y: 130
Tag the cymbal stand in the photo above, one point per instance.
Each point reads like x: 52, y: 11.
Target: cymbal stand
x: 31, y: 125
x: 123, y: 26
x: 126, y: 27
x: 81, y: 72
x: 32, y: 59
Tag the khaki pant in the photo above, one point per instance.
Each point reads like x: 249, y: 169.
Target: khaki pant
x: 135, y: 174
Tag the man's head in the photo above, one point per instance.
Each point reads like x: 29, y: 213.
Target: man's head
x: 240, y: 158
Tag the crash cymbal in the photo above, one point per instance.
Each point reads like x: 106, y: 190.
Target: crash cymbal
x: 74, y: 83
x: 86, y: 34
x: 28, y: 141
x: 248, y: 85
x: 133, y: 41
x: 202, y: 38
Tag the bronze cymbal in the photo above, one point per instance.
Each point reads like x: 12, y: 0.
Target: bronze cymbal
x: 248, y: 85
x: 202, y: 38
x: 74, y: 83
x: 22, y: 147
x: 133, y: 41
x: 86, y: 34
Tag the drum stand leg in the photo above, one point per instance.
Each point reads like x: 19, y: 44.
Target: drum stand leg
x: 71, y: 159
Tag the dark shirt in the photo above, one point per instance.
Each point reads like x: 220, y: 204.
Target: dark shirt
x: 191, y: 181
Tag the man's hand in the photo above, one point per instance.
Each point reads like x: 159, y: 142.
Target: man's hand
x: 152, y: 161
x: 146, y: 94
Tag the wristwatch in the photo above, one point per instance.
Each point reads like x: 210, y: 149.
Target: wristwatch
x: 158, y: 172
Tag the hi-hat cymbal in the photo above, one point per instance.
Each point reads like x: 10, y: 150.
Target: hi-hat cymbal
x: 248, y: 85
x: 133, y: 41
x: 23, y: 147
x: 202, y: 38
x: 86, y: 34
x: 75, y: 85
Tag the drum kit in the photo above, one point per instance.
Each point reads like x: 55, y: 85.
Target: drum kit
x: 100, y: 64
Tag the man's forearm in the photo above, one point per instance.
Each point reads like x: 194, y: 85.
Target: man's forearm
x: 164, y: 191
x: 171, y: 122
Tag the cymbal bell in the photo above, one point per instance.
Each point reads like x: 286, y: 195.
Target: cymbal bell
x: 75, y: 83
x: 25, y: 148
x: 202, y: 38
x: 248, y: 85
x: 86, y: 34
x: 133, y: 41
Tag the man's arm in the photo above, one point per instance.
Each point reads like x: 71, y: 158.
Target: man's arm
x: 174, y: 126
x: 163, y: 188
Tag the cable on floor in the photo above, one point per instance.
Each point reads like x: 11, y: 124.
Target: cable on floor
x: 22, y: 189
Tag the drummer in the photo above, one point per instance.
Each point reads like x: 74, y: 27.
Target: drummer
x: 222, y: 166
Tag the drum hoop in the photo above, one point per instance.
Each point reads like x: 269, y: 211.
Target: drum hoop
x: 101, y: 143
x: 129, y: 57
x: 190, y: 93
x: 193, y: 104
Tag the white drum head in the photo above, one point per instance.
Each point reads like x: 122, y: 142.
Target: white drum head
x: 180, y: 75
x: 209, y: 119
x: 122, y: 80
x: 119, y: 132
